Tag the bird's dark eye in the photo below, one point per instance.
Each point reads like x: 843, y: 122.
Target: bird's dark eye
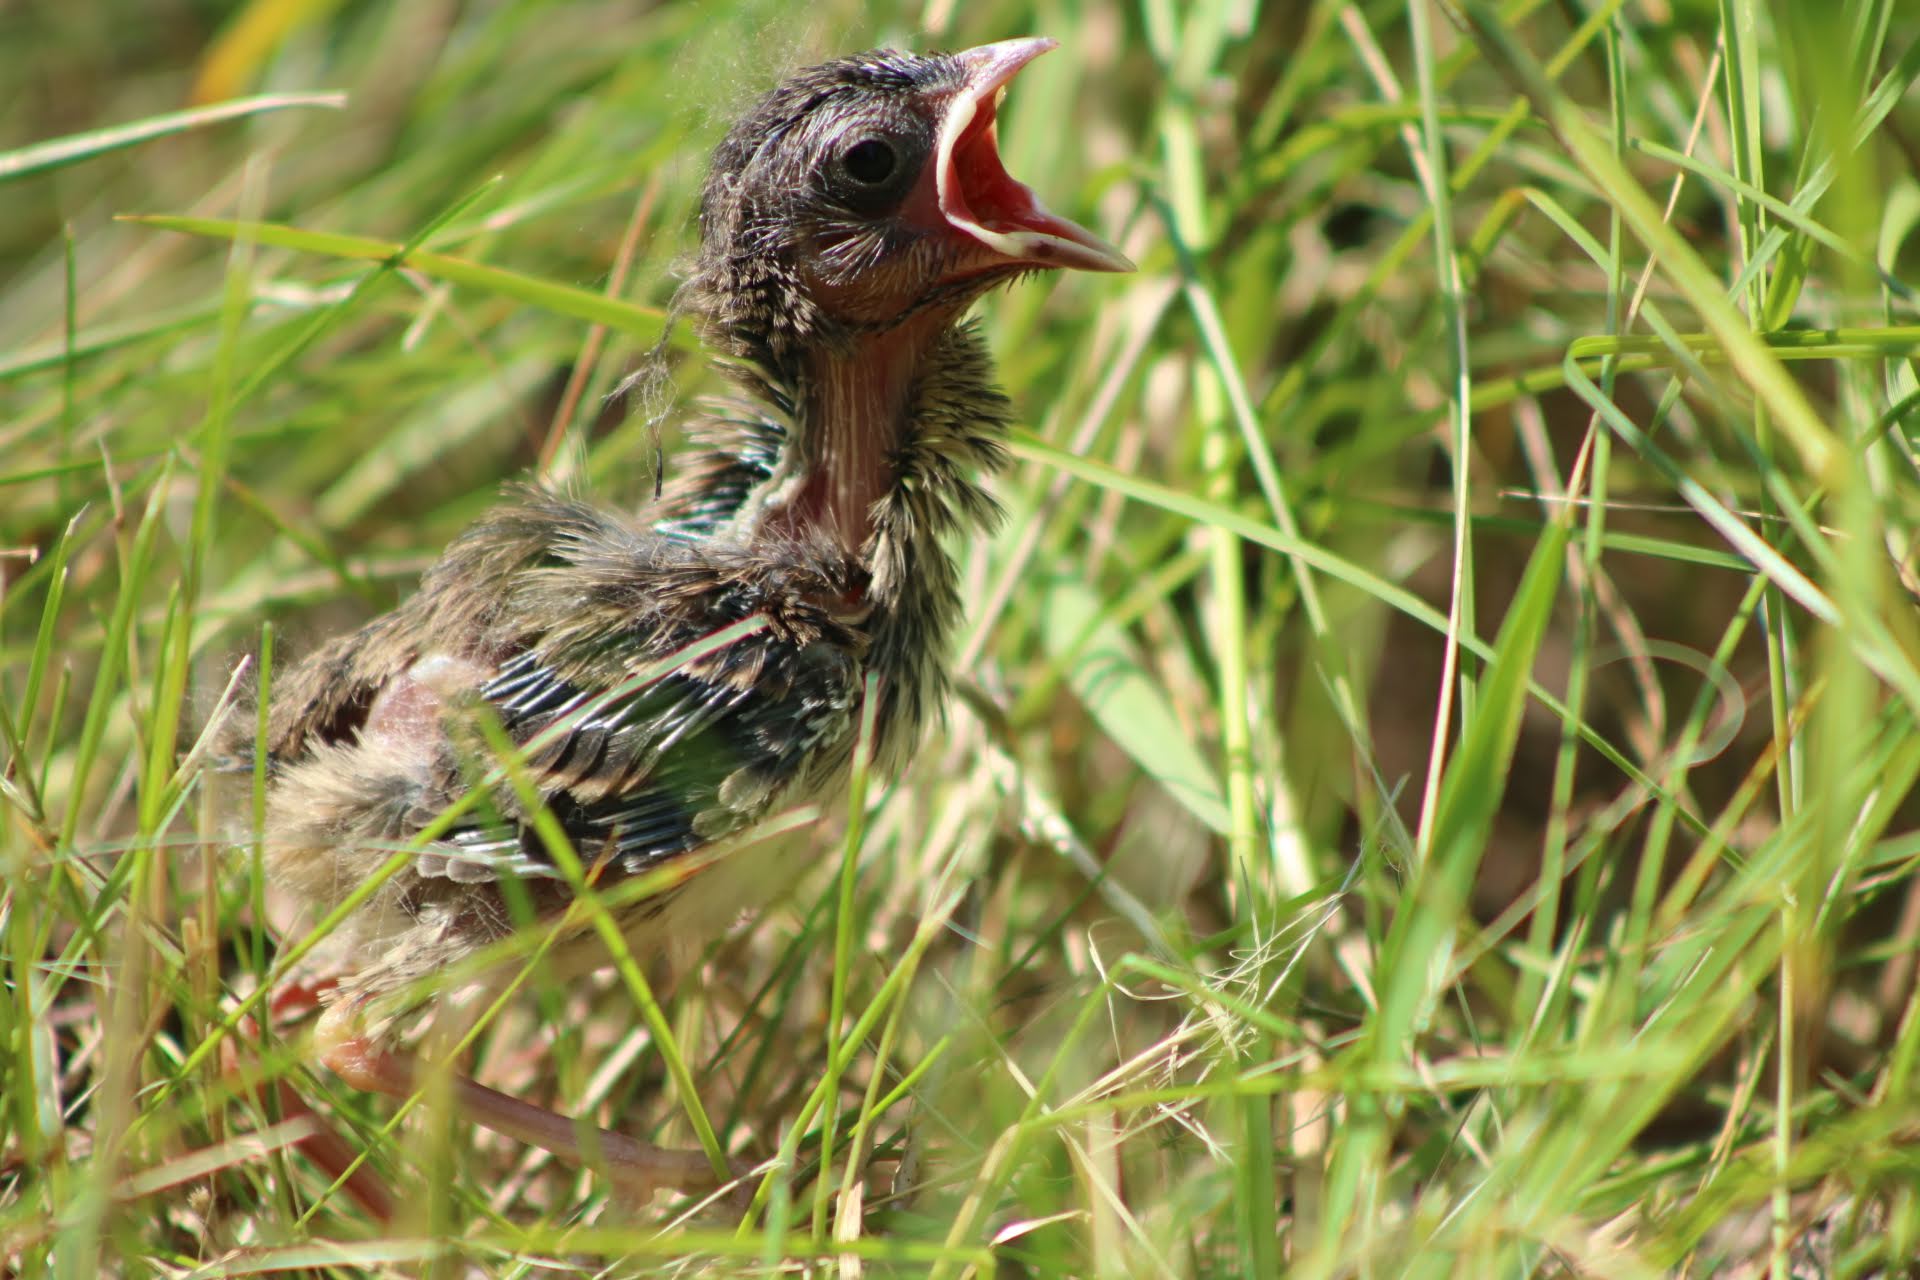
x: 870, y: 161
x: 869, y: 166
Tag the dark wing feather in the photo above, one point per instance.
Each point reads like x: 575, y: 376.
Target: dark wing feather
x: 638, y: 774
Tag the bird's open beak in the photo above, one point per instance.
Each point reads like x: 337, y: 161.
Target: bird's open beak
x: 976, y: 194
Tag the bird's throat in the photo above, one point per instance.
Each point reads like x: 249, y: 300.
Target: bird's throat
x: 853, y: 411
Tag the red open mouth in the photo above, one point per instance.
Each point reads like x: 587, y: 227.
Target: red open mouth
x: 977, y: 195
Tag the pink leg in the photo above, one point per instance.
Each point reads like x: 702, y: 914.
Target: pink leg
x: 638, y: 1168
x: 332, y: 1154
x: 297, y: 998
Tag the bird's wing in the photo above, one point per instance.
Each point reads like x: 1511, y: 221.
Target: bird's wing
x: 639, y: 739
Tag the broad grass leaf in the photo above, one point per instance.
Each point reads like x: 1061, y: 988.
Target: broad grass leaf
x: 1105, y: 672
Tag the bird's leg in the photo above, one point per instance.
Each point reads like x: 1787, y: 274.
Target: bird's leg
x: 337, y: 1158
x: 331, y: 1153
x: 638, y: 1168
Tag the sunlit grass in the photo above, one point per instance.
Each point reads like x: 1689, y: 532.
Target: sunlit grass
x: 1432, y: 787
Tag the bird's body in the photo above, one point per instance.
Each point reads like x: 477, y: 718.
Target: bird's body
x: 667, y: 683
x: 538, y: 617
x: 551, y: 615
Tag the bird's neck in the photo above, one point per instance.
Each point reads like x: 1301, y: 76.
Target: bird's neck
x: 884, y: 437
x: 887, y: 432
x: 854, y: 410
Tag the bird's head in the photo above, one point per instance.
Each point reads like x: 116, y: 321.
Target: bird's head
x: 868, y: 190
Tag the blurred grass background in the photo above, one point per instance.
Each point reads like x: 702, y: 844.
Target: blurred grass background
x: 1532, y: 379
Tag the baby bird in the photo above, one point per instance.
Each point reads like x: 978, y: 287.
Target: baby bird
x: 667, y: 684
